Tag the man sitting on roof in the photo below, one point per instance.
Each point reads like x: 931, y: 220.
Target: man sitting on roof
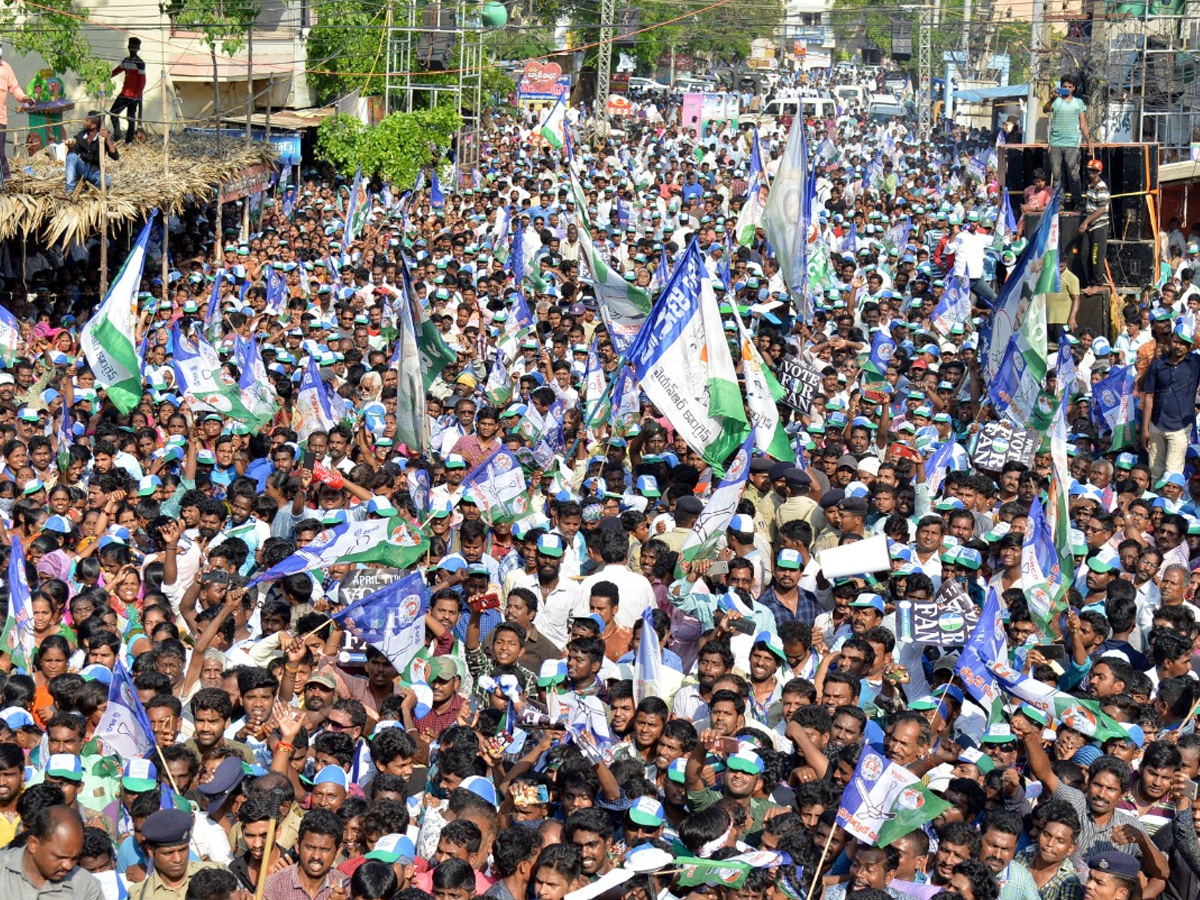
x: 83, y: 157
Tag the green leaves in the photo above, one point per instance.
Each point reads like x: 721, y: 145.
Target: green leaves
x: 53, y: 29
x: 395, y: 150
x: 222, y: 24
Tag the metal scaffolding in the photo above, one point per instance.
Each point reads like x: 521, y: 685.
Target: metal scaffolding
x: 925, y: 71
x: 435, y: 57
x: 1151, y: 67
x: 608, y: 17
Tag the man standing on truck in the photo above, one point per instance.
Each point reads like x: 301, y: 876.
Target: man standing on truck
x: 1068, y: 123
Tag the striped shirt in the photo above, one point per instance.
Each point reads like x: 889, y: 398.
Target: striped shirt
x: 1093, y: 838
x: 1098, y: 197
x: 1159, y: 814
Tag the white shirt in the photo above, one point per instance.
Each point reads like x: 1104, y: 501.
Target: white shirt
x: 555, y: 611
x: 968, y: 254
x: 633, y: 588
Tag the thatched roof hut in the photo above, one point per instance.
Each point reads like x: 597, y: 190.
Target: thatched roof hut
x: 36, y: 205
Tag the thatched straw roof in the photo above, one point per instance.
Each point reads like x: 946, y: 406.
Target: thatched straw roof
x: 37, y: 205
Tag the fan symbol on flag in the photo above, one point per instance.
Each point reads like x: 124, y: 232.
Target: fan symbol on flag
x: 871, y: 809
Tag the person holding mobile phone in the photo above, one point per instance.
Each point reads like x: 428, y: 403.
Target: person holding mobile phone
x: 1068, y: 125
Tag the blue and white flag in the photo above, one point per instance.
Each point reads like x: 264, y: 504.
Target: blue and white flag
x: 786, y: 217
x: 258, y: 396
x: 625, y: 402
x: 499, y: 488
x: 986, y: 645
x: 1006, y: 214
x: 313, y: 411
x: 212, y: 314
x: 868, y: 801
x: 200, y: 377
x: 330, y: 546
x: 66, y: 438
x: 392, y: 619
x: 954, y: 308
x: 751, y: 213
x: 1040, y: 257
x: 714, y: 519
x: 977, y: 166
x: 648, y: 664
x: 937, y: 464
x: 124, y: 730
x: 1041, y: 571
x: 684, y: 366
x: 276, y: 291
x: 662, y: 272
x: 849, y: 239
x: 18, y: 636
x: 516, y: 256
x: 1114, y: 406
x: 10, y: 337
x: 418, y: 489
x: 436, y: 198
x: 882, y: 349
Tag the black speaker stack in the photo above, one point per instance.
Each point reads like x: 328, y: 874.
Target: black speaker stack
x: 1131, y: 173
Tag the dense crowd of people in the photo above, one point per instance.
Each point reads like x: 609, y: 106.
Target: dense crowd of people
x: 593, y: 707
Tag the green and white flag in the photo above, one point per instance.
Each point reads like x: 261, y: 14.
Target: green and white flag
x: 431, y: 348
x: 624, y: 306
x: 107, y: 338
x: 411, y: 426
x: 763, y: 393
x: 554, y: 126
x: 701, y: 541
x: 499, y: 386
x: 201, y: 378
x: 683, y: 364
x: 751, y: 215
x: 1016, y: 391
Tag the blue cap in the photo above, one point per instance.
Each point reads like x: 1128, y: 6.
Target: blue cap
x: 58, y: 524
x: 331, y: 775
x: 393, y: 848
x: 96, y: 672
x: 480, y: 787
x: 874, y: 601
x: 591, y: 618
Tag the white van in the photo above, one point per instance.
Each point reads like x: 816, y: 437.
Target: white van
x: 850, y: 93
x: 786, y: 108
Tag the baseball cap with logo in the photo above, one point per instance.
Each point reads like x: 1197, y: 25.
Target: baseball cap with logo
x: 745, y: 761
x: 550, y: 545
x: 393, y: 848
x: 648, y: 812
x: 139, y: 775
x: 65, y: 765
x: 789, y: 559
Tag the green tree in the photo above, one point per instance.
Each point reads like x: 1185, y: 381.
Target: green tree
x: 223, y: 24
x: 395, y: 150
x: 348, y: 39
x: 53, y: 29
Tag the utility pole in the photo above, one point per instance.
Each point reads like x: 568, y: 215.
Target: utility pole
x: 966, y: 39
x: 1036, y: 48
x: 924, y: 71
x: 608, y: 15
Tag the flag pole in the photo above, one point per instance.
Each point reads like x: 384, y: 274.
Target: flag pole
x: 174, y: 785
x: 264, y: 868
x: 820, y: 862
